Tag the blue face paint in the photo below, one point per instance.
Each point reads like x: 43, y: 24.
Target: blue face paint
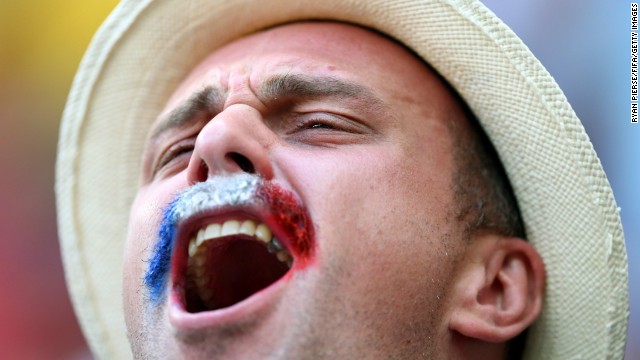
x: 156, y: 276
x: 218, y: 192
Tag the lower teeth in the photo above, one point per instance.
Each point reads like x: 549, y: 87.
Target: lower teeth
x: 200, y: 283
x: 274, y: 246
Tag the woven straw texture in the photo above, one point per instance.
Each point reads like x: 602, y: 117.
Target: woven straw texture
x: 146, y: 47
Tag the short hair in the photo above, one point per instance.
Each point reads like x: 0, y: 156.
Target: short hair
x: 482, y: 192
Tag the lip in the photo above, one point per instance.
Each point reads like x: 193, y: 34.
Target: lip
x: 255, y: 306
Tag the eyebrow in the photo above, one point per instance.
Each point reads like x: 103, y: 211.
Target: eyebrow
x: 289, y: 86
x: 296, y: 85
x: 204, y: 101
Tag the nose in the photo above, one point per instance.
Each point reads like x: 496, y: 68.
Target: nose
x: 236, y: 140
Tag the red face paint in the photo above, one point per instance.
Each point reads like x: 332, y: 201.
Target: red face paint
x: 226, y: 198
x: 286, y: 213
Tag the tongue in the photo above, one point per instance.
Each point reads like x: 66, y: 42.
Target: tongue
x: 238, y: 268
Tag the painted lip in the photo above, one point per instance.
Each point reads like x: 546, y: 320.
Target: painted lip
x: 288, y: 221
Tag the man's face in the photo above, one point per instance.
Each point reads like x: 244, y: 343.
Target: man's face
x: 356, y: 131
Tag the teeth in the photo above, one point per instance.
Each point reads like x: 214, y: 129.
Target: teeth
x: 230, y: 227
x: 263, y: 233
x: 199, y: 260
x: 234, y: 227
x: 199, y: 271
x: 274, y: 246
x: 248, y: 227
x: 202, y: 281
x: 284, y: 256
x: 200, y: 237
x: 212, y: 231
x: 197, y: 268
x: 192, y: 247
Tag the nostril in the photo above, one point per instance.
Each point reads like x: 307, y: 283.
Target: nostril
x: 242, y: 161
x: 203, y: 171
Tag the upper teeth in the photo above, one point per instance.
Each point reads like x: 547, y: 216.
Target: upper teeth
x: 233, y: 227
x: 230, y: 227
x: 198, y: 245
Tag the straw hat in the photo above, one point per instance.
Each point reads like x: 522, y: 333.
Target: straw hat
x: 146, y: 47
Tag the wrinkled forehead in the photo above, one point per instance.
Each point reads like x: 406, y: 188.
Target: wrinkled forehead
x: 322, y: 49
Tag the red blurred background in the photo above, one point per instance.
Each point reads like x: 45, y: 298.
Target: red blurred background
x: 584, y: 44
x: 41, y: 43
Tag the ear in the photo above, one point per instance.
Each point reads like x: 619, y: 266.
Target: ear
x: 500, y: 289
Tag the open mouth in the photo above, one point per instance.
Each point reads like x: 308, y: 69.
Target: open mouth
x: 230, y: 261
x: 223, y: 242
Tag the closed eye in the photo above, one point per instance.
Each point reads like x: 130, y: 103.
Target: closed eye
x: 317, y: 124
x: 327, y: 122
x: 175, y: 158
x: 325, y: 129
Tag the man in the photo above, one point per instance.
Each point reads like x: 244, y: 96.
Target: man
x: 314, y: 190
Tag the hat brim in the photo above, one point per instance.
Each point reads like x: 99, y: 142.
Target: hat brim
x: 145, y: 48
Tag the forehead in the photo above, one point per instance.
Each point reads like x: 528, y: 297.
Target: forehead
x: 322, y: 49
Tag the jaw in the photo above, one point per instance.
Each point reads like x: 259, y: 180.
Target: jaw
x: 247, y: 273
x: 297, y: 316
x: 299, y: 311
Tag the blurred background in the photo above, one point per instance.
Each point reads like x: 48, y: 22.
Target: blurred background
x: 584, y: 44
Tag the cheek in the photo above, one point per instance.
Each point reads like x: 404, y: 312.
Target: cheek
x: 383, y: 234
x: 139, y: 240
x: 373, y: 199
x: 396, y: 218
x: 144, y: 220
x: 386, y: 191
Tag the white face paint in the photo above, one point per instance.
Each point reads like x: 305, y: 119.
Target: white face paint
x: 217, y: 193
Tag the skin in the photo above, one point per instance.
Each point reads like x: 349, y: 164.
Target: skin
x: 387, y: 281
